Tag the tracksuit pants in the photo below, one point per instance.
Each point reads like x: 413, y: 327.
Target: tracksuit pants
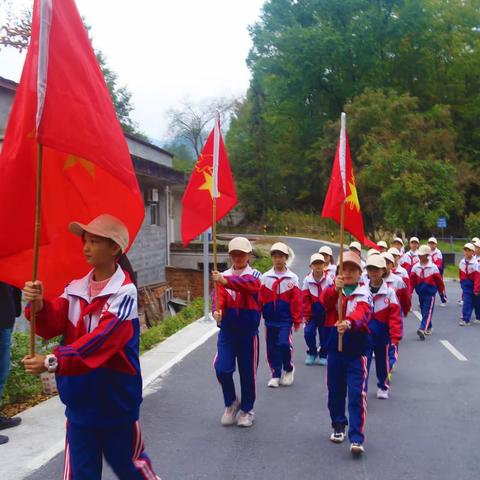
x: 427, y: 303
x: 279, y: 349
x: 347, y: 374
x: 312, y: 328
x: 392, y: 356
x: 471, y: 302
x: 122, y: 446
x: 382, y: 364
x: 244, y: 351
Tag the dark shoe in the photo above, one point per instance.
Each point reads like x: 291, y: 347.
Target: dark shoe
x: 3, y: 439
x: 421, y: 334
x: 6, y: 422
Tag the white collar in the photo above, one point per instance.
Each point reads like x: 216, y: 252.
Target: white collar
x: 248, y: 270
x: 272, y: 273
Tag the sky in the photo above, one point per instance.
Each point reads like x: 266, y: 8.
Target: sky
x: 166, y: 51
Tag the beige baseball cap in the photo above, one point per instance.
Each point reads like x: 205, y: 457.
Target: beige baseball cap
x: 424, y: 250
x: 475, y: 239
x: 279, y: 247
x: 352, y: 257
x: 398, y: 240
x: 432, y: 240
x: 356, y: 246
x: 477, y: 244
x: 377, y: 261
x: 372, y: 251
x: 394, y: 251
x: 240, y: 244
x: 469, y: 246
x: 106, y: 226
x: 388, y: 256
x: 317, y: 257
x: 414, y: 239
x: 382, y: 243
x: 327, y: 250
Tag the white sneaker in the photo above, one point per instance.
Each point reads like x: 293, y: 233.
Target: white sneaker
x: 274, y: 382
x: 229, y: 417
x: 443, y: 305
x: 382, y: 394
x: 245, y: 419
x: 337, y: 437
x: 460, y: 302
x: 287, y: 378
x: 357, y: 448
x: 462, y: 323
x: 476, y: 321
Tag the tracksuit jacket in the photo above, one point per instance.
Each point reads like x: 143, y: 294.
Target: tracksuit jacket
x: 469, y: 276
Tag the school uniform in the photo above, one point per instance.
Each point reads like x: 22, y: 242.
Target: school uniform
x: 347, y: 370
x: 437, y: 259
x: 408, y: 260
x: 314, y: 314
x: 237, y: 342
x: 331, y: 271
x: 98, y: 376
x: 386, y: 328
x: 281, y: 301
x: 403, y: 274
x: 427, y: 281
x: 469, y: 276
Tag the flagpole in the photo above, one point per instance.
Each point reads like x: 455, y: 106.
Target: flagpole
x: 36, y: 243
x: 216, y: 153
x: 343, y: 174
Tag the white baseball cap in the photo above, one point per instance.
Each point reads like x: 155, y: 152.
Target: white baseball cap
x: 432, y: 240
x: 388, y: 256
x: 317, y: 257
x: 398, y: 240
x: 475, y: 239
x: 106, y: 226
x: 372, y: 251
x: 352, y: 257
x: 469, y: 246
x: 477, y: 244
x: 356, y: 246
x: 377, y: 261
x: 279, y: 247
x: 326, y: 250
x: 394, y: 251
x: 382, y: 243
x: 240, y: 244
x: 424, y: 250
x: 414, y: 239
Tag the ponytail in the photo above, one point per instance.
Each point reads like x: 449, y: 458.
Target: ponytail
x: 126, y: 266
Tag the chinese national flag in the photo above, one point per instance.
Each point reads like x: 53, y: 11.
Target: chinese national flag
x: 197, y: 201
x: 63, y: 103
x: 343, y: 188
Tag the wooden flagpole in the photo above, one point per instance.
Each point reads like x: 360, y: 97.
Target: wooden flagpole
x: 36, y: 243
x: 216, y: 155
x: 340, y: 272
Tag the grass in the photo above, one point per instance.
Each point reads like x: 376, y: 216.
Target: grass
x: 451, y: 271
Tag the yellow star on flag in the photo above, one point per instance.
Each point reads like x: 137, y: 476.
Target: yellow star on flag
x: 72, y: 160
x: 352, y: 200
x: 208, y: 185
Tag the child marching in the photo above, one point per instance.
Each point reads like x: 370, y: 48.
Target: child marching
x: 426, y: 280
x: 347, y: 370
x: 470, y: 283
x: 330, y: 266
x: 238, y: 316
x: 281, y: 301
x: 437, y: 259
x: 313, y: 287
x: 97, y: 366
x: 410, y: 258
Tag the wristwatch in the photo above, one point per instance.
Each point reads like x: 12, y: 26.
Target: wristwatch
x: 51, y: 363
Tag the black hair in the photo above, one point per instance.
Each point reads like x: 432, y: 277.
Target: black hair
x: 126, y: 266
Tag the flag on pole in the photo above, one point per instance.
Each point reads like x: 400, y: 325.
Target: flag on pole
x: 62, y: 103
x: 343, y: 188
x: 211, y: 178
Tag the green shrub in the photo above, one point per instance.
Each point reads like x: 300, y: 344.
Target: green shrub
x: 472, y: 224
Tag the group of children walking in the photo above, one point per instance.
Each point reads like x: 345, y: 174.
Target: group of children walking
x: 376, y: 297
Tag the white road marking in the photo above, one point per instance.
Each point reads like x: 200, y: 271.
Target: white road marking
x: 453, y: 350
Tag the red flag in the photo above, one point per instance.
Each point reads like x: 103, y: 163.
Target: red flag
x: 343, y: 188
x: 197, y: 201
x: 63, y: 103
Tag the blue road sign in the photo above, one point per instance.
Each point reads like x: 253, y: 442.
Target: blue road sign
x: 442, y: 222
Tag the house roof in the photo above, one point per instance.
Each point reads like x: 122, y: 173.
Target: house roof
x: 158, y: 171
x: 8, y: 84
x: 148, y: 144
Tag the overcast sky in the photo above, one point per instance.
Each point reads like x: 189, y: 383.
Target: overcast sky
x: 166, y: 50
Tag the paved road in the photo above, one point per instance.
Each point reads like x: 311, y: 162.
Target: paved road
x: 429, y: 429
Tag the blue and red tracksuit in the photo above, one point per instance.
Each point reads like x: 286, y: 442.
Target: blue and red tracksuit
x: 281, y: 301
x: 347, y: 370
x: 404, y: 296
x: 314, y: 314
x: 437, y: 259
x: 408, y: 260
x: 427, y: 281
x: 98, y: 376
x: 386, y: 328
x: 470, y: 282
x: 403, y: 274
x: 238, y: 337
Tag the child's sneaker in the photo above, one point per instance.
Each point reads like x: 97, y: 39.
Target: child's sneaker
x: 287, y: 378
x: 229, y: 417
x: 476, y: 321
x: 429, y: 331
x: 462, y: 323
x: 460, y: 302
x: 338, y: 435
x: 443, y: 304
x: 274, y: 382
x: 321, y: 361
x: 245, y: 419
x: 357, y: 448
x: 382, y: 394
x: 310, y: 359
x: 421, y: 334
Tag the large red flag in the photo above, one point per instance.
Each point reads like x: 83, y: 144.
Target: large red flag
x: 343, y: 188
x: 197, y: 201
x: 63, y: 103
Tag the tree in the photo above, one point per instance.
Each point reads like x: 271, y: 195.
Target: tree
x: 15, y: 33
